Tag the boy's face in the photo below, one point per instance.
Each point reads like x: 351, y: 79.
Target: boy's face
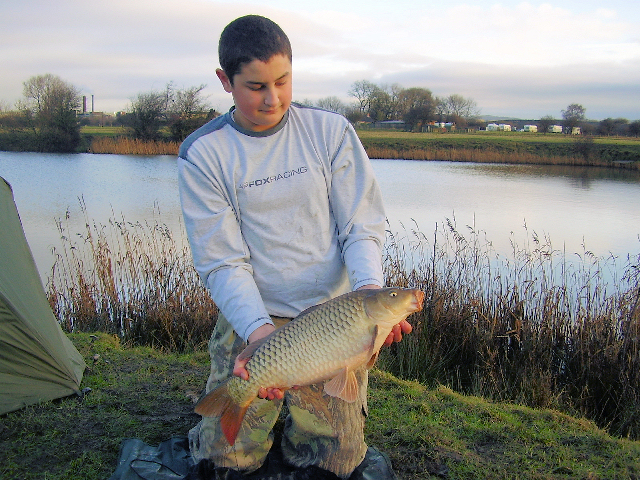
x: 261, y: 92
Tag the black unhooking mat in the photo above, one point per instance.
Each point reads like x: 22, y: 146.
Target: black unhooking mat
x: 171, y: 460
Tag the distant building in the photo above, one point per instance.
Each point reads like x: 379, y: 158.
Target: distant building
x: 576, y: 131
x: 502, y: 127
x: 435, y: 126
x: 555, y: 129
x: 530, y: 128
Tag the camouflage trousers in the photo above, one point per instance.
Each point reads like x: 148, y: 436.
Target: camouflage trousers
x: 319, y: 430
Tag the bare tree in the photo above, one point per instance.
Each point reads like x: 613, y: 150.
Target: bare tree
x: 573, y: 116
x: 333, y: 104
x: 381, y: 106
x: 545, y: 122
x: 147, y: 113
x: 417, y: 107
x: 363, y: 91
x: 457, y: 106
x: 353, y: 114
x: 182, y: 111
x: 187, y: 110
x: 50, y: 107
x: 613, y: 126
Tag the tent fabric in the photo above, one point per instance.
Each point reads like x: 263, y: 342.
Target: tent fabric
x: 37, y: 361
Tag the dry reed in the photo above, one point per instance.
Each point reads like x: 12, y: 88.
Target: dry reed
x: 131, y: 280
x: 535, y: 327
x: 487, y: 155
x: 132, y: 146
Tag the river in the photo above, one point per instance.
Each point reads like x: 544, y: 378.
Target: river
x: 578, y: 209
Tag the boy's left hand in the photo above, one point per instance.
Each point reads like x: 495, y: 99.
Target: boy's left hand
x: 398, y: 330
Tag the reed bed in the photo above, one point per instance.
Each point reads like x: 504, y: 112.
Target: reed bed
x: 132, y: 146
x: 538, y: 326
x: 132, y: 280
x: 489, y: 155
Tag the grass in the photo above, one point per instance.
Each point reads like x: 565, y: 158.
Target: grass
x: 130, y: 279
x: 428, y: 433
x: 504, y: 147
x: 536, y: 327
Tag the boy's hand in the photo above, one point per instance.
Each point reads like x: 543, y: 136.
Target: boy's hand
x: 398, y: 330
x: 239, y: 369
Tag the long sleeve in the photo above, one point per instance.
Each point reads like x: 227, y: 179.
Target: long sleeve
x: 220, y: 254
x: 358, y: 207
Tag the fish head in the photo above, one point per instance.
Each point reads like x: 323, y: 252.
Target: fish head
x: 389, y: 306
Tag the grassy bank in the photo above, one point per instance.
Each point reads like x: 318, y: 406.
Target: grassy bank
x: 504, y: 147
x: 531, y: 328
x: 428, y: 433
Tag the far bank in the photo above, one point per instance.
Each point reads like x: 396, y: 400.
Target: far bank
x: 489, y: 147
x: 478, y: 146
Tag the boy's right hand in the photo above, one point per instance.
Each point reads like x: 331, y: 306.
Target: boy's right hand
x: 239, y: 369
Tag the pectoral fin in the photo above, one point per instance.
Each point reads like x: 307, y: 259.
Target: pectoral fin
x: 372, y: 360
x: 343, y: 386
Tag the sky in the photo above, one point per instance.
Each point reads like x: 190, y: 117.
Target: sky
x: 516, y: 59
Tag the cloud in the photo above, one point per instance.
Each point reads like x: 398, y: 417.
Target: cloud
x: 521, y: 58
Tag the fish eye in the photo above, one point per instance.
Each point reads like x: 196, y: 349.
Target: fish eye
x: 394, y: 294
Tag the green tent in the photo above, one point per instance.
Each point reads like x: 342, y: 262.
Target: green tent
x: 37, y: 361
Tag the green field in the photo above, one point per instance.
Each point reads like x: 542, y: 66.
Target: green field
x: 516, y: 147
x: 103, y: 131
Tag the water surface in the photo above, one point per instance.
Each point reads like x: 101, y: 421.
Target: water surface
x: 576, y: 208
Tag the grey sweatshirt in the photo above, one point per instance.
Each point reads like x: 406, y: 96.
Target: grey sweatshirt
x: 283, y: 219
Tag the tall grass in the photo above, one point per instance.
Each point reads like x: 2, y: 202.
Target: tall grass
x: 491, y: 155
x: 537, y: 326
x: 132, y: 146
x: 132, y: 280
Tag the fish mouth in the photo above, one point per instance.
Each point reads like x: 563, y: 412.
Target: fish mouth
x: 418, y: 300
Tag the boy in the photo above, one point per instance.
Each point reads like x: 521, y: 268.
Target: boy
x: 283, y: 212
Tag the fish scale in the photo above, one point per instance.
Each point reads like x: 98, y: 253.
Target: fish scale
x: 327, y: 342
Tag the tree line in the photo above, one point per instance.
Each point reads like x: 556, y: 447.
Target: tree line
x: 575, y: 116
x: 47, y: 117
x: 414, y: 106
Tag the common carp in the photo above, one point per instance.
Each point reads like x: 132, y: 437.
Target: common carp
x: 327, y: 342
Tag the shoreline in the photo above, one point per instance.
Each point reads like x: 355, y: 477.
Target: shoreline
x: 518, y: 148
x: 479, y: 148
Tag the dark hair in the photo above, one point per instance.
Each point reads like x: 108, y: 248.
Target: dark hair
x: 250, y: 38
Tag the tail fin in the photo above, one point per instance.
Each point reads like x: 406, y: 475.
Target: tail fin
x: 218, y: 403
